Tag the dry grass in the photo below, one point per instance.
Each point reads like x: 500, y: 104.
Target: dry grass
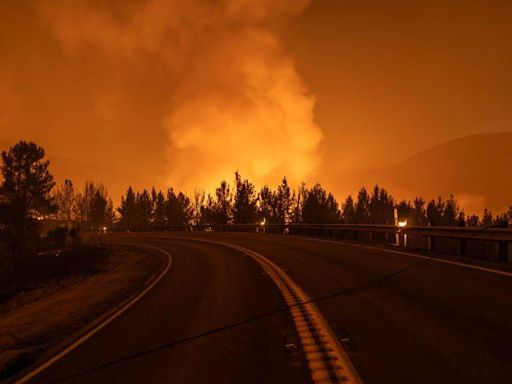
x: 40, y: 318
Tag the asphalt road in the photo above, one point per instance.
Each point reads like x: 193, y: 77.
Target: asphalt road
x: 401, y: 319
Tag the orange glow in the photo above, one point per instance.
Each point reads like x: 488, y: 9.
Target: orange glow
x: 183, y: 93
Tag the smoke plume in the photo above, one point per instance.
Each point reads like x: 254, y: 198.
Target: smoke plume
x: 236, y: 100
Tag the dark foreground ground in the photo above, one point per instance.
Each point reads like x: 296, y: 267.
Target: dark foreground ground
x: 402, y: 319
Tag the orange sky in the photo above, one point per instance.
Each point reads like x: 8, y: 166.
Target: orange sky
x: 186, y: 92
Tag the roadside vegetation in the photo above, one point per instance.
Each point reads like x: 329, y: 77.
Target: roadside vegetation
x: 28, y: 195
x: 33, y: 250
x: 50, y: 283
x: 37, y: 216
x: 241, y: 203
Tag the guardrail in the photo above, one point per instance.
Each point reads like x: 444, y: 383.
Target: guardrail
x: 398, y: 235
x: 495, y: 243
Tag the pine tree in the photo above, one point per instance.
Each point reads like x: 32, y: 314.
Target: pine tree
x: 473, y: 221
x: 362, y: 207
x: 223, y: 204
x: 24, y: 195
x: 283, y: 202
x: 143, y: 210
x: 127, y: 210
x: 298, y: 203
x: 98, y: 210
x: 320, y: 207
x: 420, y: 214
x: 451, y: 212
x: 266, y: 205
x: 208, y: 211
x: 380, y: 207
x: 487, y: 219
x: 199, y: 199
x: 435, y: 211
x: 405, y: 211
x: 349, y: 211
x: 246, y: 200
x: 186, y: 209
x: 159, y: 213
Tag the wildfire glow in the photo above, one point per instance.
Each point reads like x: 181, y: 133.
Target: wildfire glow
x: 237, y: 101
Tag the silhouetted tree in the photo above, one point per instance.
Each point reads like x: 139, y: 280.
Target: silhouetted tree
x: 199, y: 199
x: 443, y: 213
x: 349, y: 211
x: 143, y: 210
x: 435, y: 209
x: 208, y: 211
x: 473, y: 221
x: 24, y: 195
x: 282, y: 202
x: 153, y: 199
x: 94, y: 208
x: 66, y: 198
x: 487, y: 219
x: 99, y: 215
x: 420, y: 213
x: 451, y: 212
x: 127, y: 210
x: 298, y: 203
x: 159, y: 210
x: 179, y: 210
x: 405, y: 211
x: 362, y: 207
x: 320, y: 207
x: 245, y: 201
x: 186, y: 209
x: 380, y: 207
x: 266, y: 205
x: 223, y: 204
x: 504, y: 219
x: 84, y: 201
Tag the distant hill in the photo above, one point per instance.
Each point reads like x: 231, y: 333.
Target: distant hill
x: 477, y: 169
x: 116, y: 180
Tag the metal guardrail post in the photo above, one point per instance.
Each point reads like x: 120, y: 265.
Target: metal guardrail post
x: 462, y: 247
x: 503, y: 251
x: 431, y: 243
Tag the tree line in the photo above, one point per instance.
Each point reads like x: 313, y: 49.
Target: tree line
x: 242, y: 203
x: 28, y: 193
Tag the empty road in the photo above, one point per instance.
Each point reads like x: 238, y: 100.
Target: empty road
x: 217, y: 317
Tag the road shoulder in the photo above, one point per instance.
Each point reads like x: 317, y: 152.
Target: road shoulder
x: 34, y: 322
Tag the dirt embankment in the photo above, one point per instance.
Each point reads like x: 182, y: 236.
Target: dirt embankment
x: 36, y: 320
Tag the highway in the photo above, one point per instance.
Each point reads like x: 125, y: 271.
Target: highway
x: 218, y: 317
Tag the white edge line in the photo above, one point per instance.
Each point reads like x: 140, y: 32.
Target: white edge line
x: 437, y: 260
x: 103, y: 324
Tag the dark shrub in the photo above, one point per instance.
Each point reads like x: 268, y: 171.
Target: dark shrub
x: 59, y: 235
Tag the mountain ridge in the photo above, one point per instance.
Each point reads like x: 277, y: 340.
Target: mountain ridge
x: 476, y: 169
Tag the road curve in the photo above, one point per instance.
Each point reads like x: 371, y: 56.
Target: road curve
x: 401, y: 319
x: 167, y: 338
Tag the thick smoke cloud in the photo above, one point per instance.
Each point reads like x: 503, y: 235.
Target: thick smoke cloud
x: 236, y: 100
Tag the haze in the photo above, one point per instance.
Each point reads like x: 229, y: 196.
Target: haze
x: 184, y: 93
